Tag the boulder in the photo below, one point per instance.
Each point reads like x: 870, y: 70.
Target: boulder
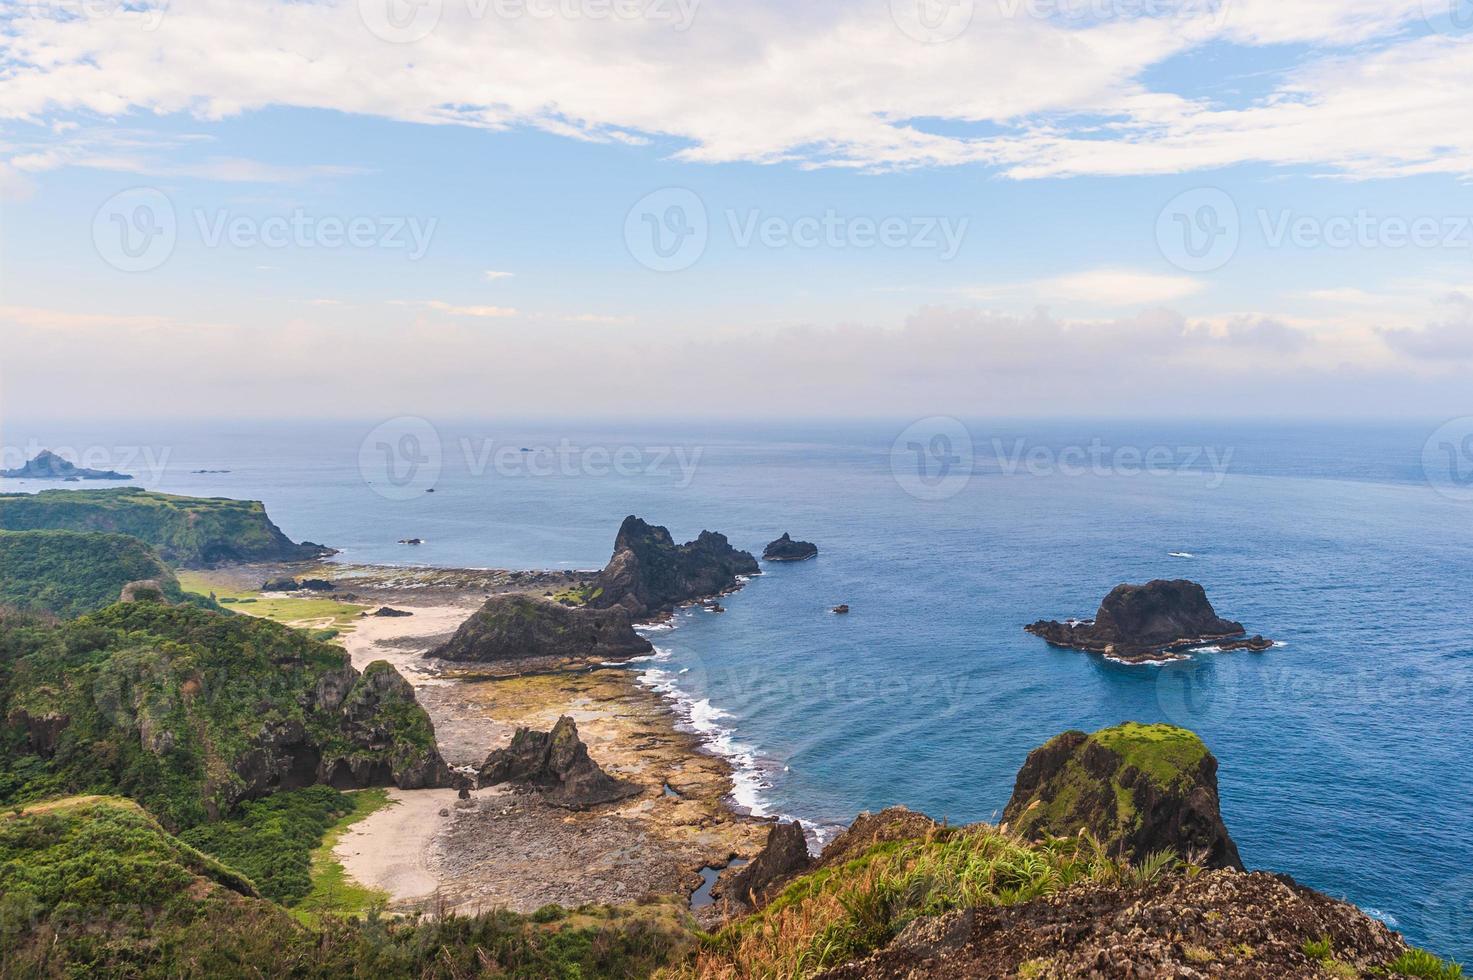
x: 785, y: 854
x: 516, y: 627
x: 557, y: 763
x: 786, y: 549
x: 1137, y: 788
x: 1143, y: 622
x: 649, y: 573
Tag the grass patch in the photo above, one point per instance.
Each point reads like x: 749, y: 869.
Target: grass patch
x: 846, y: 911
x: 1164, y: 752
x: 273, y: 840
x: 304, y: 612
x: 1420, y: 963
x: 332, y: 892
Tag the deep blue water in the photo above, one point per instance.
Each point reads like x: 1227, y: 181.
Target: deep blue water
x: 1345, y: 753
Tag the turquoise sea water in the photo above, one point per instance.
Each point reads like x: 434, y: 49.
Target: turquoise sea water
x: 1346, y: 753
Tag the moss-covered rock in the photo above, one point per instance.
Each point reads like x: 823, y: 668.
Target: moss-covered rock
x: 649, y: 573
x: 1138, y: 788
x: 184, y: 530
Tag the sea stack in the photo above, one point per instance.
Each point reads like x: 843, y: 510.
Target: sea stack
x: 786, y: 549
x: 1155, y: 621
x: 650, y: 574
x: 1138, y: 789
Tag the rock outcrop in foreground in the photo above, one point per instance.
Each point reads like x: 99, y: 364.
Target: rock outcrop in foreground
x: 1218, y: 924
x: 518, y: 627
x: 49, y: 466
x: 1139, y: 789
x: 784, y: 855
x: 649, y: 573
x: 786, y: 549
x: 558, y: 763
x: 1151, y: 621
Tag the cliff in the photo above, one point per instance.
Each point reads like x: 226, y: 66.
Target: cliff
x: 649, y: 573
x: 184, y: 530
x: 517, y: 627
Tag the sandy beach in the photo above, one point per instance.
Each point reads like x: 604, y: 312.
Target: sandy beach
x: 503, y: 847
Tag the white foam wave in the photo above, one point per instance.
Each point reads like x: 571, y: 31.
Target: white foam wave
x: 1180, y: 554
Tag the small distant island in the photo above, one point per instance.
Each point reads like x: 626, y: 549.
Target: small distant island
x: 1155, y: 621
x: 786, y: 549
x: 49, y: 466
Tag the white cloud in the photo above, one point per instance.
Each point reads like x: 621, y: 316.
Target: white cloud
x: 440, y: 306
x: 1120, y: 287
x: 829, y: 86
x: 493, y: 275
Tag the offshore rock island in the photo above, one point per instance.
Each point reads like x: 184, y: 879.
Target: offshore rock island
x: 49, y: 466
x: 1155, y: 621
x: 786, y: 549
x: 650, y: 574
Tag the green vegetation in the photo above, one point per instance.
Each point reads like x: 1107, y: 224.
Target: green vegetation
x: 272, y: 840
x: 1420, y: 963
x: 848, y: 910
x: 68, y: 573
x: 189, y: 711
x: 1169, y: 755
x: 332, y: 891
x: 578, y: 595
x: 94, y: 887
x: 318, y: 613
x: 184, y: 530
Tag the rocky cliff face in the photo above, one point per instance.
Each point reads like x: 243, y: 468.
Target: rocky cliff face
x: 649, y: 573
x: 786, y: 549
x: 1137, y: 622
x: 558, y: 763
x: 1138, y: 789
x: 516, y: 627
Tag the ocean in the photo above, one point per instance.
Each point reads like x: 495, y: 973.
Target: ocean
x: 1346, y: 752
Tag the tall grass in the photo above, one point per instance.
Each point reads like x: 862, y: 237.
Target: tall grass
x: 849, y: 910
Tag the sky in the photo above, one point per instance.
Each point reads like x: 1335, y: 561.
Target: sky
x: 621, y: 208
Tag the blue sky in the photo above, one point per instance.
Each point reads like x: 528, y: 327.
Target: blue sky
x: 506, y: 172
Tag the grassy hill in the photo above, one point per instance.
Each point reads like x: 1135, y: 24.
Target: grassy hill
x: 184, y: 530
x: 189, y: 712
x: 69, y: 573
